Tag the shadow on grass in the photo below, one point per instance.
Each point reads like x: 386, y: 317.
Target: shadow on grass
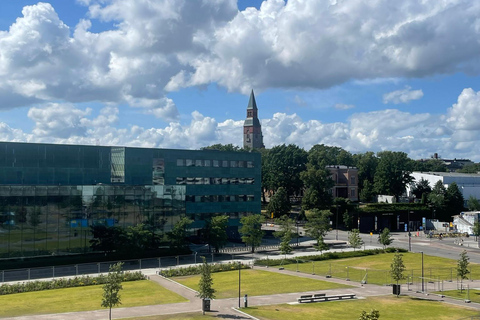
x: 226, y: 315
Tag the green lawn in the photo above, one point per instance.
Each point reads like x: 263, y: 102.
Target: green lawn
x: 135, y: 293
x: 473, y: 294
x: 377, y: 268
x: 390, y: 308
x: 257, y: 282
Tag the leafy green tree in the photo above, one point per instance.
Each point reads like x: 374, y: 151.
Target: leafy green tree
x: 205, y: 285
x: 430, y: 165
x: 372, y: 315
x: 321, y: 245
x: 285, y: 234
x: 251, y: 230
x: 178, y: 235
x: 367, y: 193
x: 420, y: 188
x: 397, y: 268
x: 321, y: 155
x: 473, y: 204
x: 436, y: 198
x: 470, y: 168
x: 354, y: 239
x: 35, y: 217
x: 279, y: 204
x: 462, y: 268
x: 112, y: 287
x: 347, y: 219
x: 223, y: 147
x: 476, y: 232
x: 366, y: 164
x: 393, y: 173
x: 216, y: 232
x: 454, y: 201
x: 318, y: 185
x: 385, y: 238
x: 281, y: 168
x: 318, y: 224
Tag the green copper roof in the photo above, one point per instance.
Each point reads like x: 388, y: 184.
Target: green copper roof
x: 252, y: 104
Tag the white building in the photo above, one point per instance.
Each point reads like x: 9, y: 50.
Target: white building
x: 465, y: 220
x: 468, y: 183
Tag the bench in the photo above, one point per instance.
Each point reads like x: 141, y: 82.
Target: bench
x: 311, y: 298
x: 323, y: 297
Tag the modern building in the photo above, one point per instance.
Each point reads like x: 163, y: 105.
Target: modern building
x: 465, y: 221
x: 451, y: 164
x: 252, y: 130
x: 50, y: 195
x: 345, y: 180
x: 469, y: 184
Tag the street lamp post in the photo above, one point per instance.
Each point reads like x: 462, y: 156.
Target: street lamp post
x: 336, y: 224
x: 239, y: 276
x: 423, y: 289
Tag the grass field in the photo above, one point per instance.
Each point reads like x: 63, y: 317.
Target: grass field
x: 377, y: 268
x: 257, y: 282
x: 135, y: 293
x: 390, y: 308
x: 473, y: 294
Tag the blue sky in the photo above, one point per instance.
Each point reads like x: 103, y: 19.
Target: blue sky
x: 355, y: 74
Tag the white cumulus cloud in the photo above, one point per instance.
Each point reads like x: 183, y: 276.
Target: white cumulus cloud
x: 402, y: 96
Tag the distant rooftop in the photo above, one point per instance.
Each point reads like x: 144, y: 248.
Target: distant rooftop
x: 450, y: 174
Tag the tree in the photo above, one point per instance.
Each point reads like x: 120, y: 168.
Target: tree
x: 372, y: 315
x: 397, y: 268
x: 321, y: 245
x: 476, y: 231
x: 385, y: 238
x: 318, y: 185
x: 112, y: 287
x: 285, y: 234
x: 35, y: 215
x: 462, y: 268
x: 436, y: 198
x: 366, y: 164
x: 205, y: 289
x: 430, y: 165
x: 251, y: 230
x: 367, y: 192
x: 279, y: 204
x: 347, y: 219
x: 177, y: 236
x: 318, y: 224
x: 420, y: 188
x: 473, y: 204
x: 454, y: 202
x: 354, y: 239
x: 393, y: 173
x: 281, y: 168
x: 223, y: 147
x: 216, y: 232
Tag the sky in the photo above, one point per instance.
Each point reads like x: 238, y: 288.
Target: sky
x: 361, y: 75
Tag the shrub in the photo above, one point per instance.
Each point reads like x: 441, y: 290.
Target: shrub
x: 193, y: 270
x: 64, y: 283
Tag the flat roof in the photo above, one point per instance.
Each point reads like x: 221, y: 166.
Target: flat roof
x: 449, y: 174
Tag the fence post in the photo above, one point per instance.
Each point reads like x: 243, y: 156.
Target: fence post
x: 76, y: 270
x: 140, y: 263
x: 3, y: 276
x: 28, y: 273
x: 53, y: 272
x: 159, y: 262
x: 313, y: 267
x: 98, y: 264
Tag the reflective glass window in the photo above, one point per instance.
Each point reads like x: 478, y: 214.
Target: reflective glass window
x: 207, y: 163
x: 180, y: 162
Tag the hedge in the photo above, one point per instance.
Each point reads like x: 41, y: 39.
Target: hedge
x: 64, y: 283
x: 193, y: 270
x: 327, y: 256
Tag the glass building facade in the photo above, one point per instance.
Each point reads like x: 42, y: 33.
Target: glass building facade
x: 50, y: 195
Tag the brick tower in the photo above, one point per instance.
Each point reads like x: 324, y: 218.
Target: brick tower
x: 252, y: 130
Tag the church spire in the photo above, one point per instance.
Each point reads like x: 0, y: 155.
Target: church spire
x: 252, y: 130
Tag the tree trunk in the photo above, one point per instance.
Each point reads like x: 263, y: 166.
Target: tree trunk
x: 110, y: 314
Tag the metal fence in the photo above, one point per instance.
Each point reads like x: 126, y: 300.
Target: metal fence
x: 103, y: 267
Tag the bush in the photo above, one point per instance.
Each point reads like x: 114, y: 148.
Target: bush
x: 193, y: 270
x: 64, y: 283
x: 327, y: 256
